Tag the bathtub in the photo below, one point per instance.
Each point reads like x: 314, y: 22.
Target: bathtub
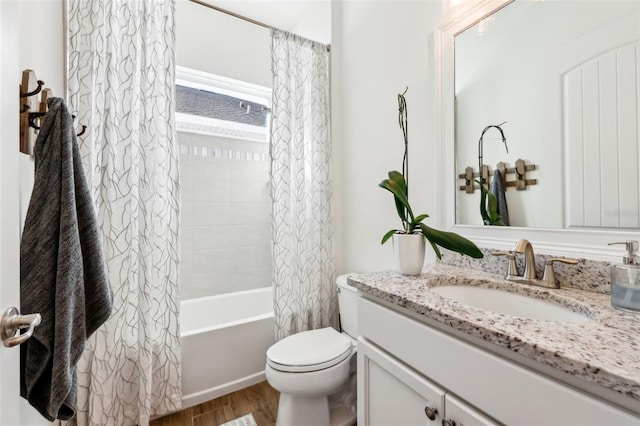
x: 224, y: 343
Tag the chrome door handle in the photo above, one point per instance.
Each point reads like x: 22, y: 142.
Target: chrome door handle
x: 12, y: 321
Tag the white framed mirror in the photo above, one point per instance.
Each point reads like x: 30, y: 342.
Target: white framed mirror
x: 560, y: 236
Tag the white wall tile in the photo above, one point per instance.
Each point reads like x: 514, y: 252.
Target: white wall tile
x: 186, y: 213
x: 249, y: 213
x: 211, y: 284
x: 207, y: 214
x: 241, y: 258
x: 248, y: 170
x: 247, y: 279
x: 211, y: 190
x: 186, y: 190
x: 248, y: 191
x: 210, y: 237
x: 186, y: 238
x: 249, y: 235
x: 186, y: 270
x: 210, y: 167
x: 210, y: 261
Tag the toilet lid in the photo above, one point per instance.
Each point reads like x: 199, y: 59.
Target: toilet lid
x: 309, y: 351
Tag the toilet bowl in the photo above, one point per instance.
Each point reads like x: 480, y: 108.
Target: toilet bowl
x: 307, y: 367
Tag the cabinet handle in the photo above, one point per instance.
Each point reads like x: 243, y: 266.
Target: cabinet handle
x: 448, y: 422
x: 431, y: 412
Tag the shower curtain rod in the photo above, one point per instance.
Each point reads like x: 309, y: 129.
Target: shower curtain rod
x: 228, y: 12
x: 236, y: 15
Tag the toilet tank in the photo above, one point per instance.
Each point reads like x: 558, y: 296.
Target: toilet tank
x: 348, y: 306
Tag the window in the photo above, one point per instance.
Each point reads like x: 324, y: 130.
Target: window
x: 221, y: 106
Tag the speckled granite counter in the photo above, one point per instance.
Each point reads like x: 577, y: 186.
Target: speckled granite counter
x: 604, y: 351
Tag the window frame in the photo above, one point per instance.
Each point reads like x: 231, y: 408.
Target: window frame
x: 188, y: 77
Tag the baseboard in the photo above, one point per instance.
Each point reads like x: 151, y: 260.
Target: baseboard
x: 218, y: 391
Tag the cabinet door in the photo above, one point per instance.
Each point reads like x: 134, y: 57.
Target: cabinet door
x: 458, y: 413
x: 391, y: 394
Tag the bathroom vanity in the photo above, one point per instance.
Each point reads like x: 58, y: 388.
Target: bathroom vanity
x: 424, y: 358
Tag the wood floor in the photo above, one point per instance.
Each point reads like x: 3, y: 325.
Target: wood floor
x: 261, y: 400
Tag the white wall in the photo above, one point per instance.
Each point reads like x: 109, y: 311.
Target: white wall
x: 210, y: 41
x: 378, y: 49
x: 41, y: 42
x: 308, y: 18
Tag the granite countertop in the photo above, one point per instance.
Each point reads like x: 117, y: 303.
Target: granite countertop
x: 604, y: 350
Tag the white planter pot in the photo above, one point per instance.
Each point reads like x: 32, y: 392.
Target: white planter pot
x: 409, y: 253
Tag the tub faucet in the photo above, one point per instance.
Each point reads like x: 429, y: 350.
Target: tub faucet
x: 524, y: 246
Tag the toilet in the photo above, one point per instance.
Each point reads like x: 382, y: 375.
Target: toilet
x: 314, y: 370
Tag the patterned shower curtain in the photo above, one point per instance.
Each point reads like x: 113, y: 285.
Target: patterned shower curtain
x: 121, y: 85
x: 302, y: 235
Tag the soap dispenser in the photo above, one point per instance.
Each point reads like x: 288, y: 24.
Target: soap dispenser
x: 625, y: 280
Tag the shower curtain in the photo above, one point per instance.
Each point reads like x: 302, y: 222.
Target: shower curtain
x: 302, y: 233
x: 121, y: 85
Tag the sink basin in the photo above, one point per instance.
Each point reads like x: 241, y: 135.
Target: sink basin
x: 503, y: 302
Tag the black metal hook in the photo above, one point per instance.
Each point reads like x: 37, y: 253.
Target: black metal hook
x: 32, y: 119
x: 34, y: 115
x: 35, y: 91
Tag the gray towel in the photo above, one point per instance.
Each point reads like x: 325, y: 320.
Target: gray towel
x: 497, y: 189
x: 62, y: 270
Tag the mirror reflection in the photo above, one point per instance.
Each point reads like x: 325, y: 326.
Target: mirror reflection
x: 564, y: 78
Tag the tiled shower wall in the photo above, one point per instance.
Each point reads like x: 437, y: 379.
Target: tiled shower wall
x: 226, y: 215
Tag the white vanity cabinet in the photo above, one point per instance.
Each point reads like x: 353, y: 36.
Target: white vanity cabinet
x: 405, y: 366
x: 390, y: 393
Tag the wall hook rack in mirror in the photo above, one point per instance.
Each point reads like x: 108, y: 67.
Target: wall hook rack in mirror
x: 519, y: 172
x: 32, y: 109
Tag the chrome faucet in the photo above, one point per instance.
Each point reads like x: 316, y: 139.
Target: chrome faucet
x: 524, y: 246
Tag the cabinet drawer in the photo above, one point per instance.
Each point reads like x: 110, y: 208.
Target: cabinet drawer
x: 506, y: 391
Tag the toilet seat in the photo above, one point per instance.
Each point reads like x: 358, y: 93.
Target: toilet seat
x: 308, y: 351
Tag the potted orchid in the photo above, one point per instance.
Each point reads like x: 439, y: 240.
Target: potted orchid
x: 409, y: 242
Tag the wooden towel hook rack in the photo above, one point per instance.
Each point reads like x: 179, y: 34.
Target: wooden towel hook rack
x: 520, y: 171
x: 32, y: 110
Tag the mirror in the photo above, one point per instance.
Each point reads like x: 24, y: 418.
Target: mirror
x: 564, y: 77
x: 534, y: 105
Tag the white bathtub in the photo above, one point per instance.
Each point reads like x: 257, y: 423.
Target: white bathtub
x: 224, y: 343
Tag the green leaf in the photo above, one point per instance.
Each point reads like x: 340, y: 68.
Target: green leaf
x: 420, y: 218
x: 494, y: 217
x: 451, y: 241
x: 398, y: 187
x: 483, y: 203
x: 492, y: 205
x: 388, y: 235
x: 435, y: 248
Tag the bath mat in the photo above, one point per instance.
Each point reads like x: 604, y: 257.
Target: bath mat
x: 247, y: 420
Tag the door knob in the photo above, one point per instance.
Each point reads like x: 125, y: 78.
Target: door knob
x: 12, y: 321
